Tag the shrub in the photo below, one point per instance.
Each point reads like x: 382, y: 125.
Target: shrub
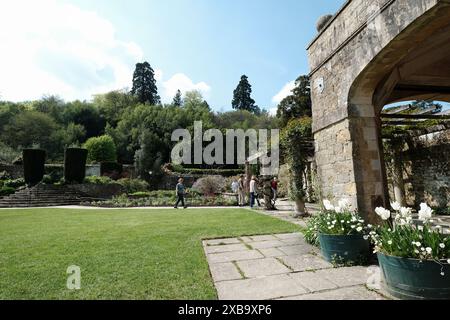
x: 133, y: 185
x: 108, y: 167
x: 17, y: 183
x: 98, y: 180
x: 75, y: 164
x: 34, y: 165
x: 101, y: 149
x: 210, y: 185
x: 6, y: 191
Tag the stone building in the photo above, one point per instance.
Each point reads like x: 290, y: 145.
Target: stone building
x: 372, y: 53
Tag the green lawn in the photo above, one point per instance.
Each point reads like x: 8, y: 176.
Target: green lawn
x: 123, y: 254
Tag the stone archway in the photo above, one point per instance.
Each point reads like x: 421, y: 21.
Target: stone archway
x: 370, y: 54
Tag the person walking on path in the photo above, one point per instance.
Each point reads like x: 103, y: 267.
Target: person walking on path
x: 235, y: 186
x: 253, y: 192
x: 275, y: 189
x: 181, y: 192
x: 241, y: 191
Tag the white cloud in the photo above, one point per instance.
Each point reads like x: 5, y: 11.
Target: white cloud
x: 285, y: 92
x: 51, y: 47
x: 182, y: 82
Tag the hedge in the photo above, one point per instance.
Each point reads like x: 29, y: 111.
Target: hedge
x: 210, y: 172
x: 75, y: 164
x: 33, y: 165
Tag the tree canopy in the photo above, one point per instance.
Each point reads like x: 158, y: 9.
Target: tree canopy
x: 298, y: 104
x: 144, y: 84
x: 242, y: 99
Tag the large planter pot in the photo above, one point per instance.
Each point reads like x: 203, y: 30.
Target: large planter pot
x: 414, y: 279
x: 348, y: 249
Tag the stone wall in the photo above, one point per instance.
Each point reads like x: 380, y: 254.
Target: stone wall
x: 348, y: 60
x: 427, y: 172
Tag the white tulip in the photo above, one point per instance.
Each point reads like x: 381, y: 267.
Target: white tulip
x: 344, y: 204
x: 425, y: 212
x: 338, y: 210
x: 359, y: 229
x: 429, y: 250
x: 328, y: 206
x: 448, y: 261
x: 442, y: 246
x: 405, y: 212
x: 396, y: 206
x: 383, y: 213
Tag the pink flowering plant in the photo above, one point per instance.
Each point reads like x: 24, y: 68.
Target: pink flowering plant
x: 399, y: 236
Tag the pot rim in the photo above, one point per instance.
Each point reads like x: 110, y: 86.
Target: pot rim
x: 444, y: 262
x: 341, y: 235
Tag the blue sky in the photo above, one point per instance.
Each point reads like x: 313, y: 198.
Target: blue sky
x: 76, y: 48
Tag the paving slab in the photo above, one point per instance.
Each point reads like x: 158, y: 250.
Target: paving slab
x: 306, y: 262
x: 266, y: 244
x: 266, y: 288
x: 226, y: 248
x: 312, y: 281
x: 344, y: 277
x: 234, y: 256
x: 292, y: 272
x: 286, y: 236
x: 293, y: 241
x: 263, y: 238
x: 296, y: 249
x: 349, y: 293
x: 272, y: 252
x: 262, y: 267
x: 224, y: 272
x: 222, y: 241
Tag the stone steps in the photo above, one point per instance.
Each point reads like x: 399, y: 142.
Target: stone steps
x: 44, y: 196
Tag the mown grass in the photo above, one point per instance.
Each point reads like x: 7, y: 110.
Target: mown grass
x: 123, y: 254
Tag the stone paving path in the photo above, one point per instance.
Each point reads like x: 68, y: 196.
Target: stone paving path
x: 281, y: 266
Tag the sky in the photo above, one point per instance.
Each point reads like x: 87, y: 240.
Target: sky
x: 77, y: 48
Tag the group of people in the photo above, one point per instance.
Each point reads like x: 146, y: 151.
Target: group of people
x: 238, y: 187
x: 241, y: 186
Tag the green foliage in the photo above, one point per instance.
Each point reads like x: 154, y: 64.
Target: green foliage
x: 133, y: 185
x: 298, y: 104
x: 211, y: 172
x: 30, y: 128
x: 296, y: 148
x: 6, y: 191
x: 144, y: 84
x: 412, y: 242
x: 242, y: 99
x: 101, y: 149
x: 161, y: 199
x: 338, y: 224
x: 8, y: 154
x: 112, y: 105
x: 99, y: 180
x: 178, y: 99
x: 311, y: 234
x: 86, y: 115
x: 15, y: 183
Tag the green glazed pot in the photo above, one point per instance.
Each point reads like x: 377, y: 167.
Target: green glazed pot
x: 414, y: 279
x: 347, y: 249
